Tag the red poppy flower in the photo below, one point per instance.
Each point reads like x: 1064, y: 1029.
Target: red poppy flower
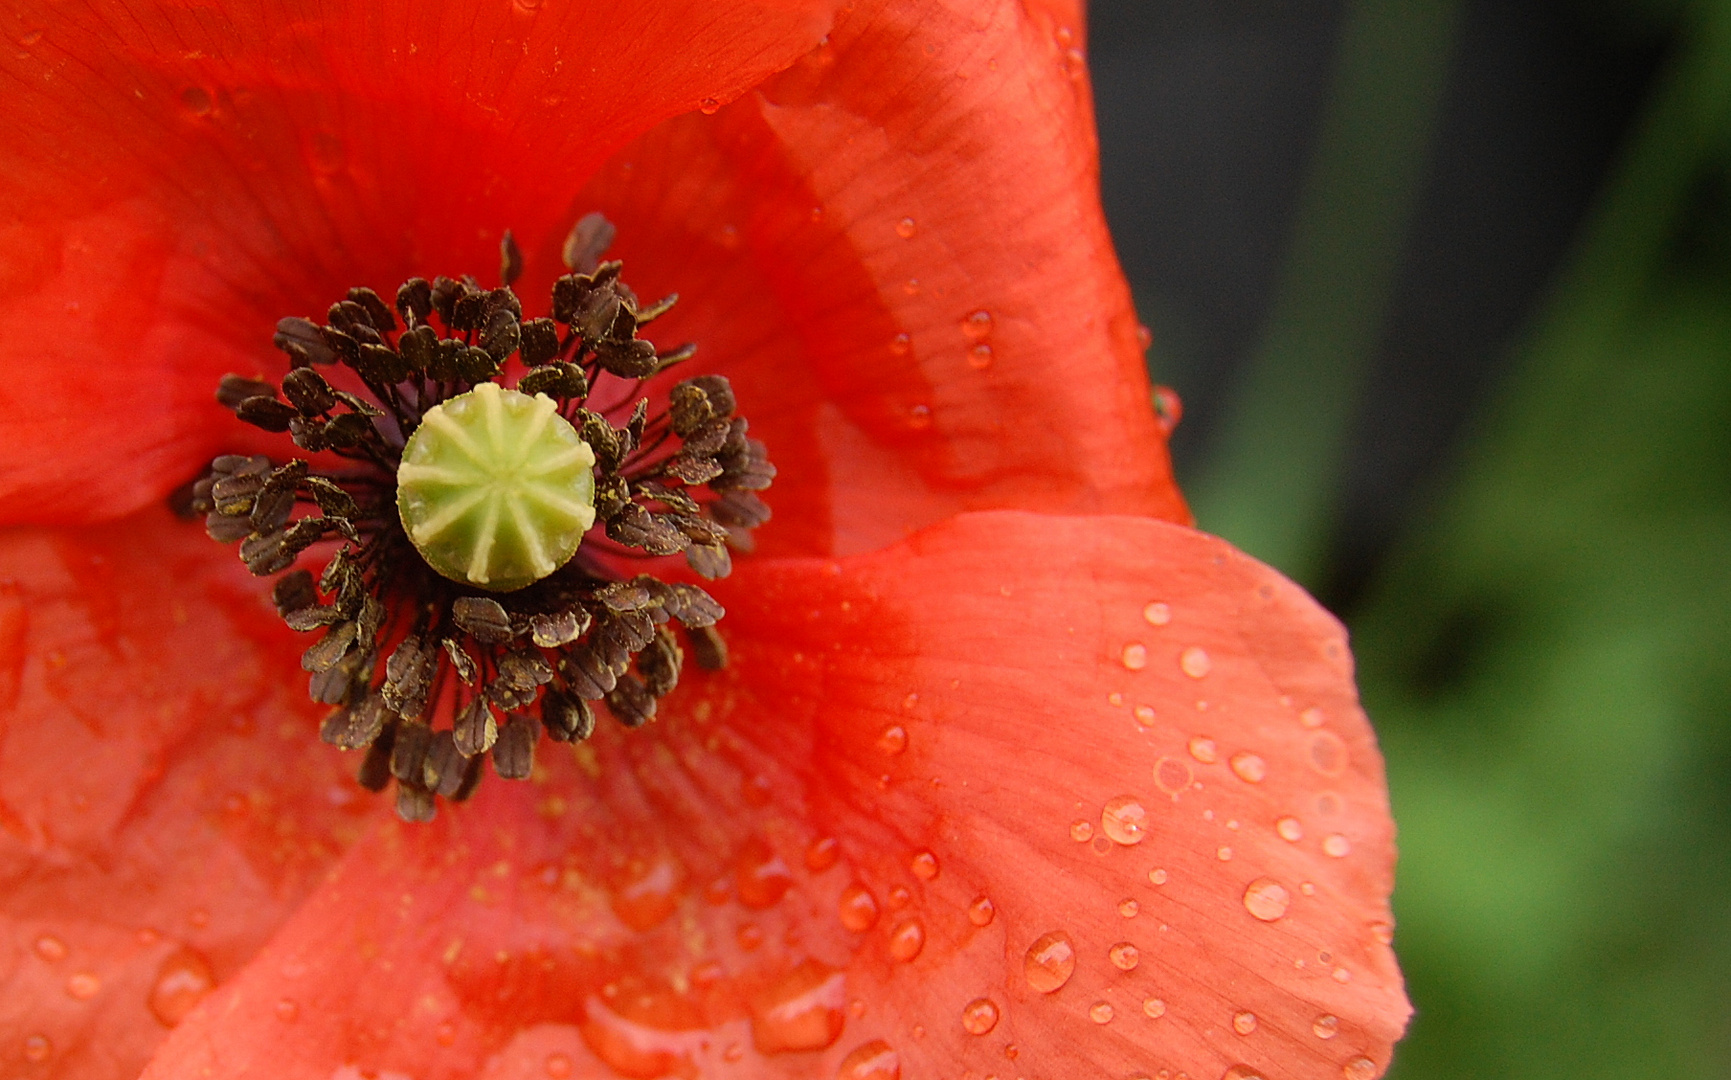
x: 1012, y: 772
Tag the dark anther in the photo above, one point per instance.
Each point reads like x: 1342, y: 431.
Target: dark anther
x: 423, y: 673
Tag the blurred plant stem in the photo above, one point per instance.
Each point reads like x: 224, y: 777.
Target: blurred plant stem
x: 1272, y: 481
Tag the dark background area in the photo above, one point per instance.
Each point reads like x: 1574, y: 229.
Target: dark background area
x: 1208, y: 113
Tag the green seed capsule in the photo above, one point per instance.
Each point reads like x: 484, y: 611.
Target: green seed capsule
x: 496, y: 488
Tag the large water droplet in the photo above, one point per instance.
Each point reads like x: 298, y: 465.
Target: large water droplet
x: 1326, y: 1026
x: 37, y: 1048
x: 50, y: 948
x: 871, y: 1061
x: 182, y: 981
x: 905, y: 228
x: 761, y: 878
x: 1135, y: 656
x: 977, y: 325
x: 1290, y: 829
x: 1250, y: 768
x: 650, y: 894
x: 1194, y: 662
x: 1336, y: 846
x: 1128, y: 907
x: 1359, y: 1068
x: 924, y: 865
x: 822, y: 854
x: 907, y: 939
x: 982, y: 911
x: 1266, y: 899
x: 1244, y: 1022
x: 1157, y: 614
x: 1100, y: 1012
x: 801, y: 1011
x: 980, y: 356
x: 1172, y: 775
x: 1050, y: 961
x: 857, y: 908
x: 1202, y: 749
x: 979, y: 1016
x: 1125, y: 820
x: 641, y: 1028
x: 83, y: 985
x: 1124, y: 956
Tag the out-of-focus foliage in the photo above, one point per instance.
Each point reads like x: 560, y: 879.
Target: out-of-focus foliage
x: 1548, y: 654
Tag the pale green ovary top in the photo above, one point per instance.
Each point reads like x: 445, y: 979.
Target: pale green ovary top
x: 495, y: 488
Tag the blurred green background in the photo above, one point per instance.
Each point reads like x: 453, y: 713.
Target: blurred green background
x: 1446, y: 288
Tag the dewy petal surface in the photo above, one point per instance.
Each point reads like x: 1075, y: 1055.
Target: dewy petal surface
x: 1012, y: 734
x: 896, y: 250
x: 176, y: 176
x: 164, y: 803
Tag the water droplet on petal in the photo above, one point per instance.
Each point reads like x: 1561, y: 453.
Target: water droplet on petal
x: 893, y: 740
x: 1290, y: 829
x: 761, y: 878
x: 445, y: 1034
x: 872, y: 1061
x: 857, y: 908
x: 1244, y: 1022
x: 822, y: 854
x: 1100, y: 1012
x: 83, y: 986
x: 650, y: 894
x: 1081, y: 831
x: 708, y: 106
x: 1135, y: 656
x: 557, y: 1065
x: 1194, y: 662
x: 1224, y: 854
x: 1125, y: 820
x: 1326, y: 1026
x: 1202, y: 749
x: 907, y: 939
x: 1050, y: 961
x: 1172, y: 775
x: 979, y: 1016
x: 1251, y: 768
x: 1153, y: 1008
x: 899, y: 897
x: 1124, y: 956
x: 1157, y: 876
x: 1328, y: 753
x: 1241, y: 1072
x: 977, y: 325
x: 1311, y: 717
x: 1129, y: 907
x: 1145, y: 715
x: 287, y: 1010
x: 1359, y: 1068
x: 905, y: 228
x: 982, y: 911
x: 182, y: 982
x: 1157, y: 614
x: 50, y: 948
x: 37, y: 1048
x: 924, y: 865
x: 196, y: 100
x: 980, y: 356
x: 1266, y: 899
x: 801, y: 1011
x: 1382, y: 932
x: 900, y: 344
x: 920, y: 417
x: 1336, y: 846
x: 29, y: 38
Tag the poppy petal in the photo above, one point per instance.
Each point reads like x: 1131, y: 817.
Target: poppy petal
x: 164, y: 804
x: 178, y: 176
x: 896, y: 250
x: 1077, y: 796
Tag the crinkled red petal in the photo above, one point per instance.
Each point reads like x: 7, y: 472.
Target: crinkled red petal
x: 164, y: 802
x: 176, y: 176
x: 896, y: 250
x: 1023, y: 796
